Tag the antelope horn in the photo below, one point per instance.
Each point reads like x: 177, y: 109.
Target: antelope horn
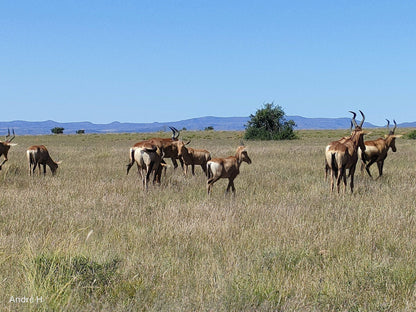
x: 353, y: 119
x: 362, y: 121
x: 388, y: 124
x: 12, y: 136
x: 395, y: 125
x: 175, y: 132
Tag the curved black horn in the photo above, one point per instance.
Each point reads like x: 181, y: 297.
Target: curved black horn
x: 353, y: 119
x: 175, y: 132
x: 12, y: 136
x: 395, y: 126
x: 362, y: 121
x: 388, y: 124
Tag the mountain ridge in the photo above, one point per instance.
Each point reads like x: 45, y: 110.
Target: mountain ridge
x: 22, y: 127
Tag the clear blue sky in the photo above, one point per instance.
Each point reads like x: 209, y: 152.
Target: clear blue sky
x: 146, y: 61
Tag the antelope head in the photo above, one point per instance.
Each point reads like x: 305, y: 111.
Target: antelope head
x: 391, y: 137
x: 358, y: 130
x: 242, y: 154
x: 182, y: 148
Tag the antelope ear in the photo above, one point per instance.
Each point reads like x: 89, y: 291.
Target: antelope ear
x: 397, y: 135
x: 188, y: 142
x: 12, y: 144
x: 58, y: 162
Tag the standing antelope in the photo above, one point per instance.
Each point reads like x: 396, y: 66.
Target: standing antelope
x: 5, y: 146
x: 193, y: 157
x: 38, y: 155
x: 148, y: 158
x: 228, y: 167
x: 342, y: 140
x: 169, y: 147
x: 342, y: 156
x: 376, y: 150
x: 164, y: 148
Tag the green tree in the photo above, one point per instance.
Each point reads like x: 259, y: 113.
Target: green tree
x: 57, y: 130
x: 269, y: 123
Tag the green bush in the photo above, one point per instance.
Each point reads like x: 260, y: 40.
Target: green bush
x: 412, y: 135
x: 269, y: 123
x: 57, y: 130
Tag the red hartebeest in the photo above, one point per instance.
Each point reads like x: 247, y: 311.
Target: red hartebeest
x: 342, y: 156
x: 169, y: 146
x: 148, y: 158
x: 342, y: 140
x: 228, y: 167
x: 5, y: 146
x: 376, y: 150
x: 38, y: 155
x: 193, y: 157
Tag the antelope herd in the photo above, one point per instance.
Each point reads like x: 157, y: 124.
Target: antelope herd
x: 149, y: 155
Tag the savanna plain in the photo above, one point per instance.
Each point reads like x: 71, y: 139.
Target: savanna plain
x: 91, y: 239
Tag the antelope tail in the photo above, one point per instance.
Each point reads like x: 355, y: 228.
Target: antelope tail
x: 334, y: 165
x: 131, y: 163
x: 209, y: 172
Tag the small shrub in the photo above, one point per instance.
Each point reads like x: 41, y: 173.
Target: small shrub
x: 57, y: 130
x: 412, y: 135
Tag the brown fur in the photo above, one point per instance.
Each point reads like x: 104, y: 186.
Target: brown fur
x: 168, y: 146
x: 38, y: 155
x: 148, y: 159
x: 376, y: 151
x: 5, y: 146
x: 228, y: 167
x: 342, y: 155
x: 195, y: 157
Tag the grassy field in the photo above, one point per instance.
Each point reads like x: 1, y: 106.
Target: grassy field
x: 90, y: 239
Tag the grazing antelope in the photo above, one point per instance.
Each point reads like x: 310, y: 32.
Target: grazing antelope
x: 376, y: 150
x: 228, y: 167
x: 38, y: 155
x: 5, y: 146
x: 148, y: 159
x: 195, y: 157
x: 341, y: 156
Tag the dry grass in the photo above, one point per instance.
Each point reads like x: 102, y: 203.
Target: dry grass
x: 283, y: 243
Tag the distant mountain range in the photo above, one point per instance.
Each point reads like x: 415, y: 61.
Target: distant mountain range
x: 218, y: 123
